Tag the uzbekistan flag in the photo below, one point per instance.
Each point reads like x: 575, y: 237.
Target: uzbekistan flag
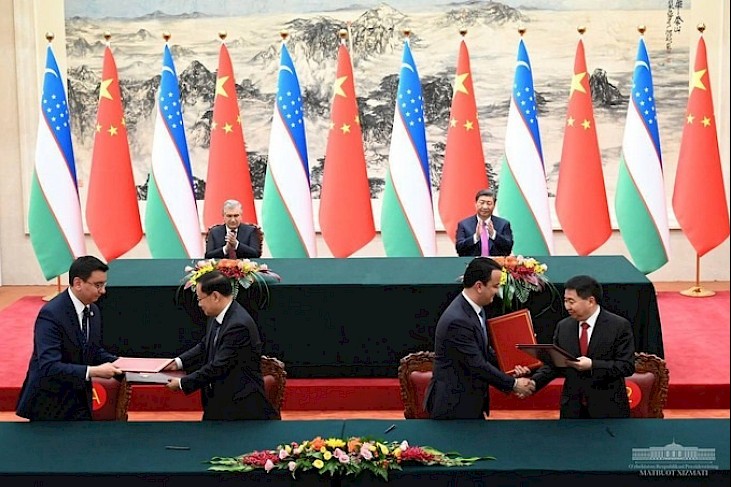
x: 171, y: 220
x: 54, y: 213
x: 287, y: 203
x: 640, y: 198
x: 523, y: 193
x: 407, y: 215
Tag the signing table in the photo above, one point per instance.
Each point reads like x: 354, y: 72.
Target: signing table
x: 349, y: 317
x: 542, y: 452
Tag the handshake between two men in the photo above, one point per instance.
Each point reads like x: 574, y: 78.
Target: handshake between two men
x: 524, y: 386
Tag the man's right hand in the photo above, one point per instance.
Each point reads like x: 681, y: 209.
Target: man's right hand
x: 105, y: 371
x: 524, y: 387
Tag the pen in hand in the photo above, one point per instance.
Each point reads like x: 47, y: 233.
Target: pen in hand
x: 389, y: 429
x: 173, y: 447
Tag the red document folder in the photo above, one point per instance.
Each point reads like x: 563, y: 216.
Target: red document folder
x: 506, y: 332
x: 137, y: 364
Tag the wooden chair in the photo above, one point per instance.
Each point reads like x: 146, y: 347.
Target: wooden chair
x: 414, y: 375
x: 651, y: 382
x: 275, y: 380
x: 110, y: 399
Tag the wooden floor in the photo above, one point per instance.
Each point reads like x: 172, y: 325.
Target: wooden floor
x: 9, y: 294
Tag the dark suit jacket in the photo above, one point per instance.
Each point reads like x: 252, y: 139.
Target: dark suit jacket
x: 463, y: 366
x: 247, y: 235
x: 230, y: 377
x: 502, y: 244
x: 611, y: 349
x: 55, y: 387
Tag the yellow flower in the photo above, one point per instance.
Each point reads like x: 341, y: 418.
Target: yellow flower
x: 504, y: 277
x: 323, y: 449
x: 335, y: 443
x: 327, y: 455
x: 383, y: 448
x: 318, y: 464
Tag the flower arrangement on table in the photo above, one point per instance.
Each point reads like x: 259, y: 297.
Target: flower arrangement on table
x: 336, y: 456
x: 244, y: 274
x: 520, y: 276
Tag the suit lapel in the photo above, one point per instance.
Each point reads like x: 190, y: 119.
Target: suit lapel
x: 597, y: 334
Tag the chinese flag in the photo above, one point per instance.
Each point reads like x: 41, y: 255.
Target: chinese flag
x: 112, y: 214
x: 346, y: 218
x: 699, y: 199
x: 581, y: 199
x: 228, y: 165
x: 464, y: 173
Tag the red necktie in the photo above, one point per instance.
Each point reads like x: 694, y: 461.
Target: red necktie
x: 232, y: 252
x: 584, y: 339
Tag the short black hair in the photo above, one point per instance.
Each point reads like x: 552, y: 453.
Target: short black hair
x: 585, y: 286
x: 486, y: 192
x: 83, y: 267
x: 215, y: 281
x: 479, y: 269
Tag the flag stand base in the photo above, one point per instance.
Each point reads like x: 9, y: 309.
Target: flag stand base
x: 697, y: 292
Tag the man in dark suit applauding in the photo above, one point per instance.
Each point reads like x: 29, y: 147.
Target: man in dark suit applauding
x: 67, y: 350
x: 226, y: 362
x: 484, y: 234
x: 464, y: 364
x: 233, y: 239
x: 594, y: 386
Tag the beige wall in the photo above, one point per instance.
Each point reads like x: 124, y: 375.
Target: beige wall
x: 22, y: 27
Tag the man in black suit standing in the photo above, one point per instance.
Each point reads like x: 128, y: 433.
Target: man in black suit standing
x: 484, y: 234
x: 594, y: 386
x: 233, y: 239
x: 67, y: 349
x: 464, y: 364
x: 226, y: 363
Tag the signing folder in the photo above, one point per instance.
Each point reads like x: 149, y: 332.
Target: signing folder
x: 548, y: 352
x: 138, y: 364
x: 506, y: 332
x: 153, y: 377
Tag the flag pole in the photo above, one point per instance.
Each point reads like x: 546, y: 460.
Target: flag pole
x: 697, y: 291
x: 56, y: 292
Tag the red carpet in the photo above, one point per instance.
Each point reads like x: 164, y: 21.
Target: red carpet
x: 694, y: 330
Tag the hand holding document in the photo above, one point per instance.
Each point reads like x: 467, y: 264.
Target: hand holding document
x: 548, y: 352
x: 139, y: 364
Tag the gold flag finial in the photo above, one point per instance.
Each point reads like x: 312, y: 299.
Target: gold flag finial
x: 166, y: 35
x: 107, y: 36
x: 343, y: 34
x: 641, y: 29
x: 701, y: 27
x: 463, y: 32
x: 407, y: 33
x: 222, y: 35
x: 49, y: 36
x: 283, y: 34
x: 581, y: 29
x: 521, y: 30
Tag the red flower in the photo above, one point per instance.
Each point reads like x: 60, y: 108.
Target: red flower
x: 416, y: 454
x: 259, y: 458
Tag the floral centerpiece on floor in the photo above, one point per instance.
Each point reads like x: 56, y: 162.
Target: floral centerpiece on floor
x: 244, y: 274
x: 520, y: 276
x: 336, y: 456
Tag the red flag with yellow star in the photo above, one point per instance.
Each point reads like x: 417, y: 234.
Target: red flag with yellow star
x: 112, y: 213
x: 346, y: 218
x: 463, y: 173
x: 581, y: 198
x: 699, y: 198
x: 228, y: 165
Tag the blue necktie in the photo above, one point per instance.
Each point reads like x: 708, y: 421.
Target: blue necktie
x: 85, y: 325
